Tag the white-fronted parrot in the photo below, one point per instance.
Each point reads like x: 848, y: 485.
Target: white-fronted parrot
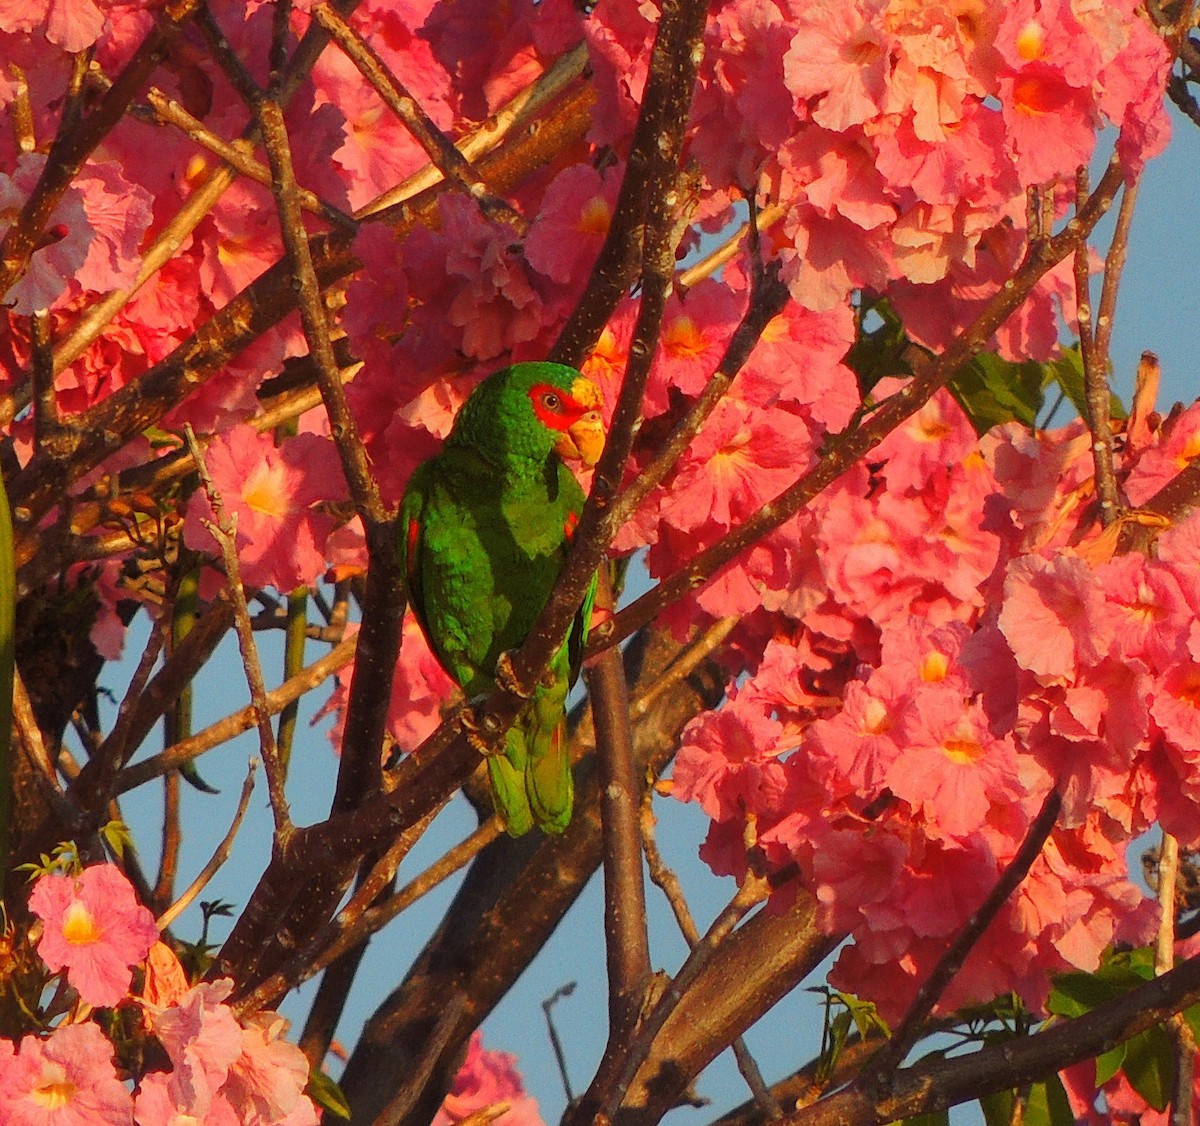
x: 484, y: 528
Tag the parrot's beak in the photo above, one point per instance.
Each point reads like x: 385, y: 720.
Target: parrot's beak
x: 583, y: 440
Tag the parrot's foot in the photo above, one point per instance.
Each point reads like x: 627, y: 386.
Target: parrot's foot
x: 506, y: 677
x: 483, y: 732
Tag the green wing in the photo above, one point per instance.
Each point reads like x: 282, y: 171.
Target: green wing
x: 479, y: 566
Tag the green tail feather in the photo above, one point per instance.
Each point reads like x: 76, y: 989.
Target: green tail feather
x: 532, y: 782
x: 508, y: 785
x: 549, y: 785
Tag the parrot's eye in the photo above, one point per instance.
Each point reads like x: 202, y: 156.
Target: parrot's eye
x: 552, y: 402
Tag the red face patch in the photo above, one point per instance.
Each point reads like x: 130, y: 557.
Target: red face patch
x: 555, y: 409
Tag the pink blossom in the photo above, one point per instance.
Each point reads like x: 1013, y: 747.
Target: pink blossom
x: 73, y: 25
x: 272, y: 492
x: 728, y: 762
x: 239, y: 240
x: 118, y: 212
x: 838, y: 61
x: 157, y: 1104
x: 1053, y: 616
x: 571, y: 224
x: 950, y: 766
x: 1050, y: 122
x: 267, y: 1079
x: 420, y: 692
x: 94, y: 928
x: 202, y: 1038
x: 696, y: 327
x: 488, y: 1077
x: 65, y: 245
x: 225, y: 1072
x: 859, y: 742
x: 65, y: 1080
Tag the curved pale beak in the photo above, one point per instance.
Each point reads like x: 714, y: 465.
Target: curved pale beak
x: 583, y: 440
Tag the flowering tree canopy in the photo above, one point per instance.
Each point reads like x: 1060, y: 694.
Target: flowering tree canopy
x: 926, y: 658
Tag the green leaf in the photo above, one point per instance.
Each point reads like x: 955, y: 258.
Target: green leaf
x: 1150, y: 1066
x: 878, y: 351
x: 992, y: 391
x: 1109, y: 1063
x: 117, y: 836
x: 1076, y: 993
x: 997, y: 1108
x: 1048, y: 1105
x: 327, y: 1094
x: 1067, y: 372
x: 1192, y: 1016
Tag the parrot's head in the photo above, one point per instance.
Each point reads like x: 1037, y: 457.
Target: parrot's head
x: 522, y: 413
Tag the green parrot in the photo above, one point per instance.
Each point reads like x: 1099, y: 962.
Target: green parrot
x: 484, y: 528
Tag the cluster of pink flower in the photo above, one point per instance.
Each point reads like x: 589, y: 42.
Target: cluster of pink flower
x: 928, y: 651
x: 969, y: 654
x: 223, y: 1071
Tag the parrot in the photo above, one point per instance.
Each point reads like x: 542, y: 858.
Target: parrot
x: 484, y: 528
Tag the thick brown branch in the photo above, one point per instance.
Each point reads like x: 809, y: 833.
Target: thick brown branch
x: 936, y: 1085
x: 622, y: 781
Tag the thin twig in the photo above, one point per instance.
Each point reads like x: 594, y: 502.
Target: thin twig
x: 355, y: 463
x: 622, y: 1060
x: 879, y: 1076
x: 115, y: 749
x: 1164, y: 959
x: 218, y: 858
x: 172, y: 839
x: 665, y: 878
x: 492, y: 132
x: 224, y: 531
x: 35, y: 749
x: 359, y: 919
x: 697, y: 651
x: 439, y: 148
x: 1114, y: 266
x: 555, y: 1040
x: 1095, y: 374
x: 411, y: 1086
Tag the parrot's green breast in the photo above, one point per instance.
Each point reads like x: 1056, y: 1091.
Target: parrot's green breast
x: 485, y: 569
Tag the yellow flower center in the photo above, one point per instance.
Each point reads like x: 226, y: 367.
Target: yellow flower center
x: 683, y: 339
x: 53, y: 1090
x: 595, y: 217
x: 1030, y: 40
x: 876, y: 720
x: 934, y: 667
x: 1188, y: 689
x: 79, y: 928
x: 962, y: 751
x: 263, y: 494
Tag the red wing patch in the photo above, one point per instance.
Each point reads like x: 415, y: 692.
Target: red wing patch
x: 414, y: 537
x: 570, y: 524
